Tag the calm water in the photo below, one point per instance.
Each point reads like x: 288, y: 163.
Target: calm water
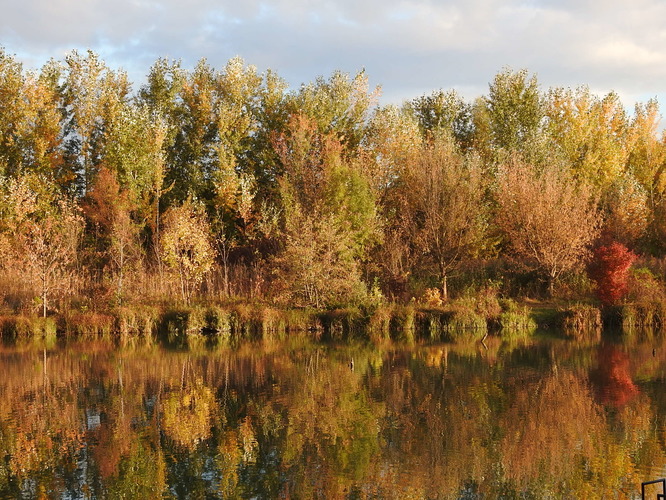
x: 546, y: 419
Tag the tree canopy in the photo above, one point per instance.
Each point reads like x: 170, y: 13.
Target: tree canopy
x: 320, y: 180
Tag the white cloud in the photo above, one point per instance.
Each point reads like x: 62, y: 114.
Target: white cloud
x: 626, y: 54
x: 408, y: 46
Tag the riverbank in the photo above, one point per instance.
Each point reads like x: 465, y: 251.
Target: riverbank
x: 463, y: 320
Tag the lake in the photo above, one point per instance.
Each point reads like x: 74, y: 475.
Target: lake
x: 546, y: 418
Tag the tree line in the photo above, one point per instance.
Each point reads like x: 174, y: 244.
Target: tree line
x: 229, y: 184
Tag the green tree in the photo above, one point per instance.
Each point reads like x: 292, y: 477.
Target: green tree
x: 135, y: 148
x: 136, y: 154
x: 647, y: 154
x: 339, y: 106
x: 515, y: 109
x: 192, y: 159
x: 93, y: 95
x: 272, y: 117
x: 590, y: 134
x: 12, y: 114
x: 444, y: 111
x: 163, y: 85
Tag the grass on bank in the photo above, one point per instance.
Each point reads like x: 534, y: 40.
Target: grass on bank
x: 470, y: 317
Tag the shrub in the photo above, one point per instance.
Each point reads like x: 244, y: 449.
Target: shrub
x: 644, y: 286
x: 403, y: 323
x: 609, y: 270
x: 136, y: 320
x: 88, y: 324
x: 379, y: 325
x: 13, y: 327
x: 642, y: 317
x: 432, y: 297
x: 465, y: 325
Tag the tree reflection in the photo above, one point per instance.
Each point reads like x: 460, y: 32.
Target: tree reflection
x: 438, y: 422
x: 612, y: 380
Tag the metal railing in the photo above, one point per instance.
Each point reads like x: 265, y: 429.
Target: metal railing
x: 660, y: 496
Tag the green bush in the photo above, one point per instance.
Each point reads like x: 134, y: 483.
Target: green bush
x: 403, y: 323
x: 465, y: 325
x: 515, y: 321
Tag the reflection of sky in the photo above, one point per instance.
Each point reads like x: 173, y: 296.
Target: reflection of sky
x: 93, y: 419
x: 409, y: 47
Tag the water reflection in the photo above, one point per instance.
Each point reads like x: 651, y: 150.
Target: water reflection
x: 534, y: 420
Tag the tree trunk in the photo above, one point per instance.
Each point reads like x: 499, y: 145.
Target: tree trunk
x: 551, y: 286
x: 44, y: 297
x: 444, y: 288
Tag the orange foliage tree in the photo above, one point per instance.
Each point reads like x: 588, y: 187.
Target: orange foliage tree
x: 548, y: 219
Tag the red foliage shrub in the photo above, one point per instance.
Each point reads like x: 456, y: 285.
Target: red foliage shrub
x: 609, y: 270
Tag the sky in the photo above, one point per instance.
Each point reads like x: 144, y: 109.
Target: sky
x: 407, y: 47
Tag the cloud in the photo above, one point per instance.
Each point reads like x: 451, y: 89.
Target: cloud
x: 410, y: 47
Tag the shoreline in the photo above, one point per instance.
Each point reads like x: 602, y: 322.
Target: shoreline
x: 231, y: 323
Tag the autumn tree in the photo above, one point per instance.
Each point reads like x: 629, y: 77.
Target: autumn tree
x: 330, y: 219
x: 392, y: 141
x: 609, y: 270
x: 43, y: 139
x: 392, y: 138
x: 44, y: 230
x: 109, y: 209
x: 185, y: 246
x: 646, y: 163
x: 548, y: 218
x: 446, y: 201
x: 589, y: 133
x: 626, y: 210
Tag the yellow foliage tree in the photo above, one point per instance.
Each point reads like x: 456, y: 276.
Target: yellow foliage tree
x: 185, y: 246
